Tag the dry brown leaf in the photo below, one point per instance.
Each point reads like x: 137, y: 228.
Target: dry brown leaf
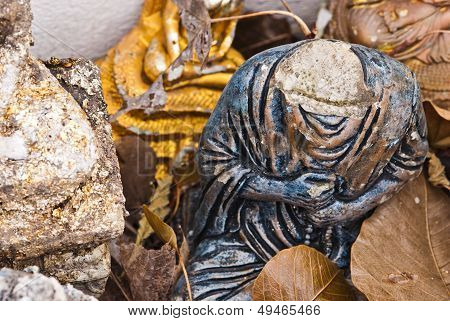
x: 444, y: 113
x: 436, y: 172
x: 164, y: 232
x: 150, y: 273
x: 195, y: 19
x: 301, y: 273
x: 137, y: 170
x: 402, y: 252
x: 159, y: 205
x: 168, y: 236
x: 153, y: 99
x: 438, y: 126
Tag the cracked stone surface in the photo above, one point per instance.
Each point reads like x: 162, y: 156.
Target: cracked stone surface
x: 30, y: 285
x: 60, y: 190
x: 86, y: 269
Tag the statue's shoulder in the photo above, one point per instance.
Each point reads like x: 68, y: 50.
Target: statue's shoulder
x: 251, y: 76
x: 264, y: 59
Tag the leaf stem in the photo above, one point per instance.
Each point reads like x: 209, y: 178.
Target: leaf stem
x: 186, y: 277
x: 299, y: 20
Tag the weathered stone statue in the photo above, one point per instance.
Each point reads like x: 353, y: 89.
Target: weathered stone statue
x: 60, y: 192
x: 305, y: 141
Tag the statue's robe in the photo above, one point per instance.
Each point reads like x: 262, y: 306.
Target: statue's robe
x: 253, y: 131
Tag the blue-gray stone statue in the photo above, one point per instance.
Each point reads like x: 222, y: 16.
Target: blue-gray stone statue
x: 305, y: 141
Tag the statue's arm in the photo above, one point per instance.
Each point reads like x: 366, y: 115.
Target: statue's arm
x: 308, y: 190
x: 405, y: 165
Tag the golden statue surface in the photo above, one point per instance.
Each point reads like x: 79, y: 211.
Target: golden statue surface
x: 146, y: 52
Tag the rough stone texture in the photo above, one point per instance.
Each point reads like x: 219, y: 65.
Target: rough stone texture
x: 49, y: 147
x: 33, y: 286
x: 86, y: 269
x: 332, y: 83
x: 60, y: 189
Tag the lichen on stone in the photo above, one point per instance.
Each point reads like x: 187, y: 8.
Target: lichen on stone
x: 60, y: 191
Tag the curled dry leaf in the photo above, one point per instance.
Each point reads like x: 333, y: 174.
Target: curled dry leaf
x: 195, y: 19
x: 168, y: 236
x: 150, y: 273
x: 436, y: 172
x: 438, y: 125
x: 164, y: 232
x: 301, y: 273
x: 402, y: 250
x: 159, y: 205
x: 154, y: 99
x: 444, y: 113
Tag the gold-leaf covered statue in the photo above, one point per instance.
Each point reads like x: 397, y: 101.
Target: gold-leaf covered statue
x: 146, y: 52
x: 416, y: 32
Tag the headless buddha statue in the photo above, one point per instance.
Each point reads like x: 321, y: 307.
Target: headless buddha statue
x: 146, y: 52
x: 305, y: 141
x: 415, y: 32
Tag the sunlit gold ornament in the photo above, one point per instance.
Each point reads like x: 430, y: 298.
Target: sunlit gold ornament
x: 416, y: 32
x: 145, y: 52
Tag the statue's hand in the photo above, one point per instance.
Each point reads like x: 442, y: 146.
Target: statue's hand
x: 332, y: 213
x: 310, y: 190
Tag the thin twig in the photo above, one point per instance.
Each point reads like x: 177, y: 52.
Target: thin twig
x: 266, y: 42
x: 286, y: 5
x: 130, y: 228
x: 299, y: 20
x: 177, y: 203
x: 432, y: 33
x: 122, y: 290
